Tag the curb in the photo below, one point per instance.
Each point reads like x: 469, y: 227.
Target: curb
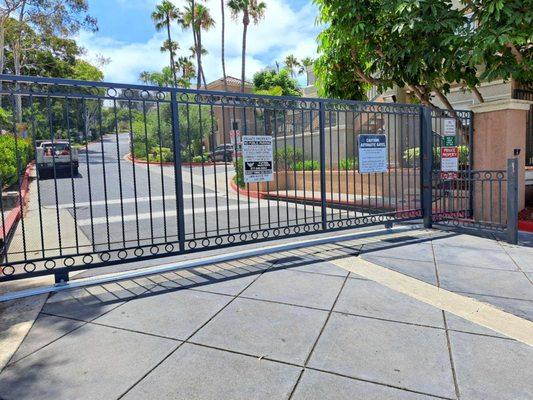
x: 14, y: 215
x: 254, y: 194
x: 525, y: 226
x: 128, y: 157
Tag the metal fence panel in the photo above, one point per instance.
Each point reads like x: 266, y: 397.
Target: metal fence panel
x: 126, y: 173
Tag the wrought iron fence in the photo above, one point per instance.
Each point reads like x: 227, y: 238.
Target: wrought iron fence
x: 127, y: 172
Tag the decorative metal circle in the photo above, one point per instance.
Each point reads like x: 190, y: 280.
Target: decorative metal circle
x: 105, y: 256
x: 243, y: 237
x: 286, y: 231
x: 307, y: 228
x: 316, y: 227
x: 8, y: 270
x: 87, y: 259
x: 49, y: 264
x: 112, y: 92
x: 169, y: 248
x: 192, y: 244
x: 68, y: 262
x: 373, y: 219
x: 500, y: 175
x: 365, y: 220
x: 138, y: 252
x: 30, y: 267
x: 254, y: 235
x: 122, y: 254
x: 487, y: 175
x: 331, y: 224
x: 339, y: 224
x: 349, y: 222
x: 275, y: 232
x: 128, y: 93
x: 145, y: 94
x: 154, y: 250
x: 218, y: 240
x: 231, y: 238
x: 160, y: 95
x: 206, y: 242
x: 296, y: 229
x: 266, y: 234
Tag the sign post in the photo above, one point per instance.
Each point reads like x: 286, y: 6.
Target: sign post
x: 449, y: 152
x: 257, y: 158
x: 372, y: 153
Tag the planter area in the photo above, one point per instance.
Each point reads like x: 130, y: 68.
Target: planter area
x: 130, y: 158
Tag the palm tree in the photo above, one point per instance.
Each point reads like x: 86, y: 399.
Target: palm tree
x: 306, y: 63
x: 198, y: 20
x: 162, y: 16
x: 253, y: 9
x: 186, y: 68
x: 223, y: 43
x: 145, y: 77
x: 203, y: 52
x: 291, y: 63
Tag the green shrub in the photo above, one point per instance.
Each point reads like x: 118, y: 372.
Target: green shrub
x: 10, y: 164
x: 198, y: 159
x: 412, y: 156
x: 239, y: 173
x: 349, y: 164
x: 307, y: 165
x: 287, y: 157
x: 160, y: 155
x: 185, y: 156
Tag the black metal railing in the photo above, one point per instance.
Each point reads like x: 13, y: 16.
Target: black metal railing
x: 108, y: 173
x: 130, y: 172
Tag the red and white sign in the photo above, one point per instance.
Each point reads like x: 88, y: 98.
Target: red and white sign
x: 449, y: 162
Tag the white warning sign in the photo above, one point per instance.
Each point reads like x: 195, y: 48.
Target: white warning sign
x: 257, y: 158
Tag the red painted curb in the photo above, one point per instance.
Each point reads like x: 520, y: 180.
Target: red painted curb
x: 525, y: 226
x: 14, y: 215
x: 169, y: 163
x: 254, y: 194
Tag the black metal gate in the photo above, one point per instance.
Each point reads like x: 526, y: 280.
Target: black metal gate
x: 110, y: 173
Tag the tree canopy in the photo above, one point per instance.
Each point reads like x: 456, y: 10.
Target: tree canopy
x: 421, y: 45
x: 49, y: 55
x: 503, y: 38
x: 275, y: 83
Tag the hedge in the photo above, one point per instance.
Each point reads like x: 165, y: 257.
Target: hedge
x: 8, y: 158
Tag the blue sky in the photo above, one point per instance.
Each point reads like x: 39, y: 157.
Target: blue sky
x: 128, y: 38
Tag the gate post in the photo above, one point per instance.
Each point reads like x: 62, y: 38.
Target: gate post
x: 426, y: 165
x: 177, y: 170
x: 512, y: 200
x: 322, y: 137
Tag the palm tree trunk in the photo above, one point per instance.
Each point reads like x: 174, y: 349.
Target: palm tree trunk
x: 243, y: 67
x: 172, y: 65
x: 223, y: 40
x: 194, y: 36
x: 199, y: 52
x: 2, y: 51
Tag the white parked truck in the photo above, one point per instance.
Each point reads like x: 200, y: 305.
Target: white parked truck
x: 58, y: 155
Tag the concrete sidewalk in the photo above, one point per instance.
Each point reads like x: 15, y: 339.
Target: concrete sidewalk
x: 292, y: 325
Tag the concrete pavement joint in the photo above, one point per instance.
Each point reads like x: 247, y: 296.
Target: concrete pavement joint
x: 191, y: 335
x: 465, y: 307
x: 448, y: 342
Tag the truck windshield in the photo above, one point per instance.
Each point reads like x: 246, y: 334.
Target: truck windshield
x: 58, y: 149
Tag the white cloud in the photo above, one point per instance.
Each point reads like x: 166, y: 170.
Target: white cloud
x: 283, y: 31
